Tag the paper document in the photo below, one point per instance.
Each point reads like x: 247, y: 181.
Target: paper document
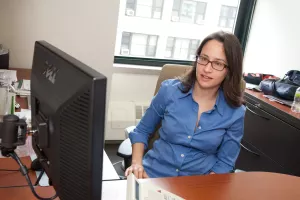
x: 250, y: 86
x: 22, y: 88
x: 8, y: 76
x: 137, y: 190
x: 109, y: 190
x: 23, y: 85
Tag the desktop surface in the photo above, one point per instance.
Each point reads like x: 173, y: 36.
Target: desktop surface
x: 245, y: 185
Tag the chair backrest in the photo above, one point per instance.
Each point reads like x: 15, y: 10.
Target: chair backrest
x: 170, y: 71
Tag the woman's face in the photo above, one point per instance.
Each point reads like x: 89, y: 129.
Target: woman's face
x: 207, y: 76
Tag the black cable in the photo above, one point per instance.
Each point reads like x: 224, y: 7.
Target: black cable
x: 24, y: 171
x: 112, y: 180
x: 39, y: 177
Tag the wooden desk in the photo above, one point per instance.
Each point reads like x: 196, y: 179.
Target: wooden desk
x: 283, y: 110
x: 271, y: 137
x: 245, y: 186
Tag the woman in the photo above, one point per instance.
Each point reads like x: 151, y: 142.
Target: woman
x: 202, y: 116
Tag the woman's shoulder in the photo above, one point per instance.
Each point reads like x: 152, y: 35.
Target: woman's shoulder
x: 171, y: 88
x: 171, y: 84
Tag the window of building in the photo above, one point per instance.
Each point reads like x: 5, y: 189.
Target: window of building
x: 136, y: 44
x: 144, y: 8
x: 188, y: 11
x: 181, y: 48
x: 153, y: 36
x: 227, y: 16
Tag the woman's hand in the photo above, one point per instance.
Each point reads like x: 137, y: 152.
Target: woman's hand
x: 137, y: 170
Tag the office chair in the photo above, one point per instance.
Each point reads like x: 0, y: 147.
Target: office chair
x: 169, y: 71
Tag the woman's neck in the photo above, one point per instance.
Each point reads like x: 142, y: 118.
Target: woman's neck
x: 204, y: 94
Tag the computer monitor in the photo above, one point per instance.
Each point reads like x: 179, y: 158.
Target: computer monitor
x: 68, y: 112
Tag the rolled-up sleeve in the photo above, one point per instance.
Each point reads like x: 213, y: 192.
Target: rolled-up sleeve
x: 230, y: 147
x: 152, y: 117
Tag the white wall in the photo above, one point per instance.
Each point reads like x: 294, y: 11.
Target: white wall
x: 5, y: 22
x: 84, y: 29
x: 274, y: 44
x: 127, y: 91
x: 133, y: 87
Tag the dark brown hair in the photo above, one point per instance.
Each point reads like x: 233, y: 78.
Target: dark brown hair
x: 232, y: 83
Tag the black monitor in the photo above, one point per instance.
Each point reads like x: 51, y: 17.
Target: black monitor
x: 68, y: 112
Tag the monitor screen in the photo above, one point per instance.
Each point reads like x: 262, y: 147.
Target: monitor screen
x: 68, y: 111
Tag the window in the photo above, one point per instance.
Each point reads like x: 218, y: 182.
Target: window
x: 136, y: 44
x: 180, y: 48
x: 227, y: 16
x: 144, y: 8
x: 188, y: 11
x: 149, y: 32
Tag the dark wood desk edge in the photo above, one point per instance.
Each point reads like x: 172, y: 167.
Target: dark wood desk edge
x: 276, y: 112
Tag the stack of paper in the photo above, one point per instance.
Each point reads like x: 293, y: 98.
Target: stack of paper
x: 138, y: 190
x: 23, y: 88
x: 7, y: 77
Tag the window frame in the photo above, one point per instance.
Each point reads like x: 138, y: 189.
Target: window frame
x: 226, y: 17
x: 195, y: 14
x: 241, y: 30
x: 153, y: 7
x: 148, y: 36
x: 190, y: 41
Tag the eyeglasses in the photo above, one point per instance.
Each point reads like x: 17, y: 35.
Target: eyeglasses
x: 217, y: 65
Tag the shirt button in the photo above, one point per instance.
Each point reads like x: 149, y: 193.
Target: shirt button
x: 177, y: 170
x: 182, y: 155
x: 199, y: 127
x: 189, y: 137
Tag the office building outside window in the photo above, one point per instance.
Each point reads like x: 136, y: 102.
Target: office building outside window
x: 227, y: 16
x: 188, y: 11
x: 153, y: 32
x: 180, y: 48
x: 144, y: 8
x: 136, y: 44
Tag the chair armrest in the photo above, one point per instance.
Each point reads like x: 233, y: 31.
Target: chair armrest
x: 128, y: 130
x: 125, y: 149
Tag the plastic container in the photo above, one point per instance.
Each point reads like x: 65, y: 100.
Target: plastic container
x: 4, y: 97
x: 296, y: 104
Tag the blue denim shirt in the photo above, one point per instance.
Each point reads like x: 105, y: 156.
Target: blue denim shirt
x: 182, y: 149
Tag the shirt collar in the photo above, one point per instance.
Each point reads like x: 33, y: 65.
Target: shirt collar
x: 182, y: 95
x: 220, y: 101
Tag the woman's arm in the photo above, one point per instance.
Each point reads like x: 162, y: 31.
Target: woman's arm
x: 137, y: 153
x: 152, y: 117
x: 137, y: 164
x: 140, y: 135
x: 230, y: 147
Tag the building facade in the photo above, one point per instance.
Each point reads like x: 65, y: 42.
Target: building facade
x: 170, y: 29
